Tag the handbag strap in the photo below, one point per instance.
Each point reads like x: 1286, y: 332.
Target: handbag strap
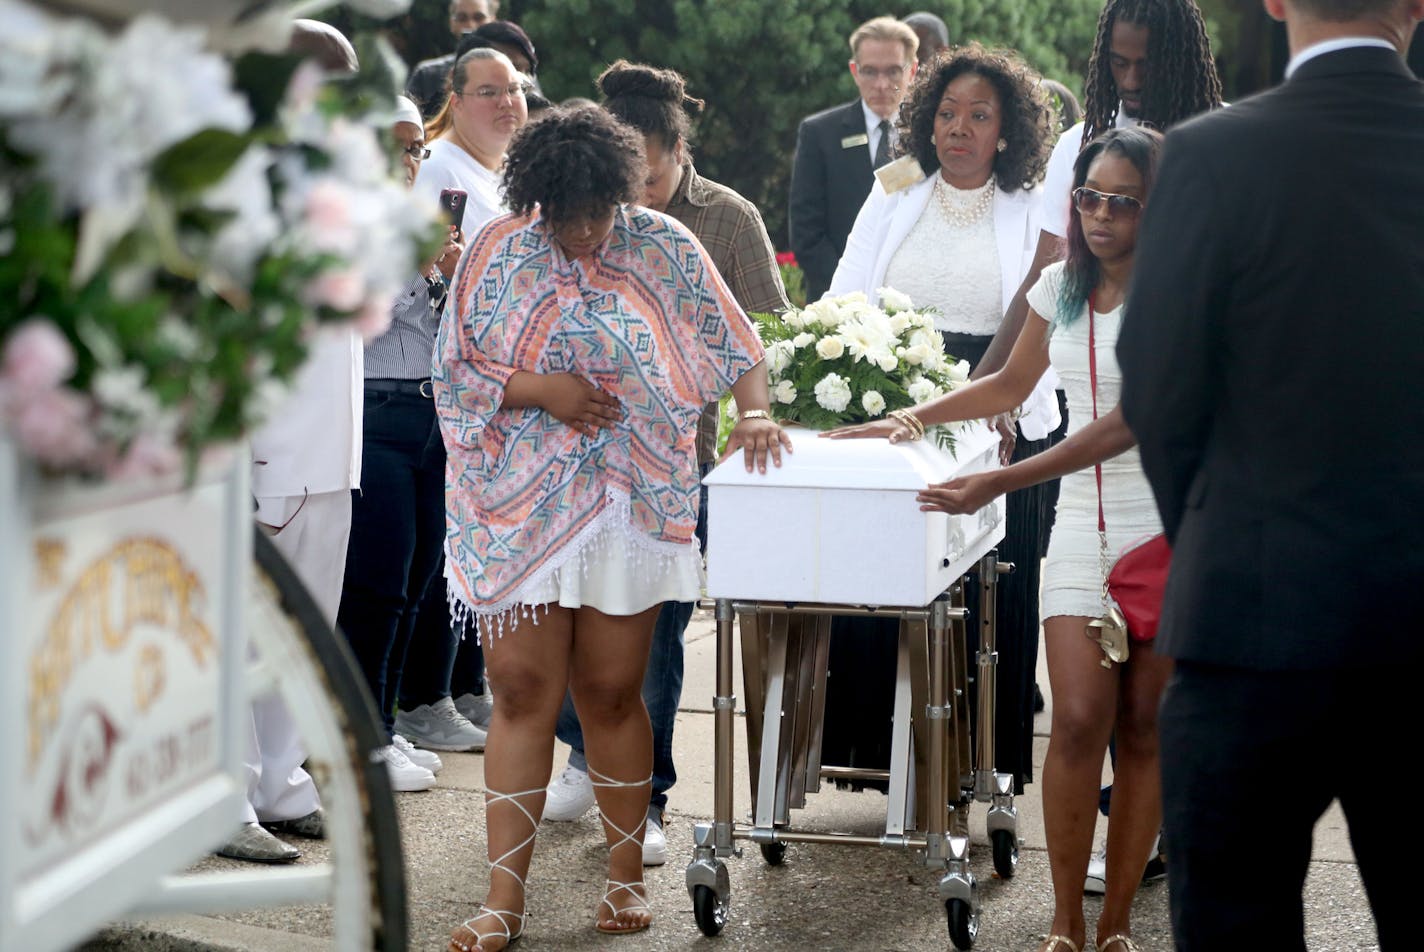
x: 1093, y: 377
x: 1105, y: 560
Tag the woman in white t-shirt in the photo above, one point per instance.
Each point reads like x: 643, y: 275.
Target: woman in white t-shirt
x: 469, y: 135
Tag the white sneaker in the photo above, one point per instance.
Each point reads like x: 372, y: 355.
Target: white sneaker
x: 1096, y: 882
x: 439, y: 726
x: 405, y: 776
x: 476, y: 708
x: 570, y: 796
x: 421, y: 758
x: 654, y: 843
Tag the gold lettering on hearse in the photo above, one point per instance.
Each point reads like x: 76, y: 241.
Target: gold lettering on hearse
x: 140, y: 581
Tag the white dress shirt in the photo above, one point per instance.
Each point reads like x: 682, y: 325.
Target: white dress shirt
x: 872, y: 130
x: 1331, y: 46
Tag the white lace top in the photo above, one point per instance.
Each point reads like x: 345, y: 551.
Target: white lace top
x: 952, y: 268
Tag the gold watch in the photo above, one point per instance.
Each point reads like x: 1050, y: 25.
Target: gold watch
x: 755, y: 415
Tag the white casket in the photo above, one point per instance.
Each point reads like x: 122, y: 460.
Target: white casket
x: 838, y: 522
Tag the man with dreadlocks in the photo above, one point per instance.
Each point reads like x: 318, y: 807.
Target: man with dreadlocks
x: 1151, y: 64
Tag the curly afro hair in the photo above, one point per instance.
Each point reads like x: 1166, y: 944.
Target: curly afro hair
x: 571, y: 161
x: 1027, y: 119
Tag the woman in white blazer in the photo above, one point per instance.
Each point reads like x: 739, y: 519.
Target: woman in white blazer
x: 954, y: 224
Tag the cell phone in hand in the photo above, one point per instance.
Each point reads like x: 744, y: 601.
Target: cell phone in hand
x: 452, y: 203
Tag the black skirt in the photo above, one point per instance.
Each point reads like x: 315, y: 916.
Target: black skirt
x: 860, y: 684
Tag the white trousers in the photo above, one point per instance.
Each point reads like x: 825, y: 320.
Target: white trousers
x: 313, y: 538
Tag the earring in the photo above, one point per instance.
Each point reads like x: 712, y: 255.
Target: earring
x: 1003, y: 144
x: 932, y: 138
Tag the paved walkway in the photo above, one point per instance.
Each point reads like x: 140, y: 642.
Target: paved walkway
x: 824, y: 897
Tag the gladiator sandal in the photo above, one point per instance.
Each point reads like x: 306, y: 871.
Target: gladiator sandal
x: 618, y: 924
x: 511, y: 923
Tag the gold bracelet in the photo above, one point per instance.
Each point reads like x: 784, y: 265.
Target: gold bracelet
x: 755, y: 415
x: 910, y: 422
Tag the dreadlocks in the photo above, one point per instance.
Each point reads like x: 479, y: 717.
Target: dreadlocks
x: 1182, y: 80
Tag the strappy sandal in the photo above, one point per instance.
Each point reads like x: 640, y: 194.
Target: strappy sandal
x: 503, y: 916
x: 1122, y: 940
x: 618, y: 925
x: 1054, y: 941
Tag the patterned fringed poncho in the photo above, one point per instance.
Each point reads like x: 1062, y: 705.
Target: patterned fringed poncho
x: 648, y: 319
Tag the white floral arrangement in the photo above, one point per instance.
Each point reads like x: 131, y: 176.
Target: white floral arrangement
x: 174, y: 223
x: 842, y: 360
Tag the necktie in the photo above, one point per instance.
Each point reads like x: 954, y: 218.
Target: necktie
x: 882, y: 150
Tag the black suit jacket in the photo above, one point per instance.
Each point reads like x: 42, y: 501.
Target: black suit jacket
x: 1272, y: 355
x: 829, y: 182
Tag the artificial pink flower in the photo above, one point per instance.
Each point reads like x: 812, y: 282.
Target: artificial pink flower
x: 147, y: 455
x: 328, y: 217
x: 37, y: 357
x: 374, y: 318
x: 343, y: 290
x: 54, y: 426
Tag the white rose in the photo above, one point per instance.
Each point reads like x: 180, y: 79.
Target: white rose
x: 928, y: 339
x: 873, y: 402
x: 803, y: 339
x: 899, y: 322
x: 778, y: 356
x: 920, y: 390
x: 824, y: 312
x: 833, y: 393
x: 883, y: 359
x: 893, y: 300
x: 793, y: 319
x: 959, y: 372
x: 852, y: 299
x: 830, y: 348
x: 916, y: 354
x: 784, y: 392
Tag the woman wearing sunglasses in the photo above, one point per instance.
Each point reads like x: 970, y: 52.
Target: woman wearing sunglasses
x: 1079, y: 301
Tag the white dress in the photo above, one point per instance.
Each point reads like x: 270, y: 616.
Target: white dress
x: 1072, y: 574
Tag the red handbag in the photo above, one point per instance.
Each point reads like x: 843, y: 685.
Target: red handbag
x: 1137, y: 580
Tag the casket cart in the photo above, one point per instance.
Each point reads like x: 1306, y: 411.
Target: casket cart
x: 851, y: 541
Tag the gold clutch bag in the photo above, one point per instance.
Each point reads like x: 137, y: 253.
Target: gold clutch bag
x: 1110, y: 632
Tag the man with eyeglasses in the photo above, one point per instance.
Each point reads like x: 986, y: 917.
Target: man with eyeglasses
x: 838, y: 150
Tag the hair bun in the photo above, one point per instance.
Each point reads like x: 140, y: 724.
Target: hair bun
x: 623, y: 78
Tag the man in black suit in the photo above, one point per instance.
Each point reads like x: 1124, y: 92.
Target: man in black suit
x: 1272, y: 355
x: 838, y: 150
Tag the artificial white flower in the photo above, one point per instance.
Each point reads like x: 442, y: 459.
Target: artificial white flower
x: 784, y: 392
x: 830, y: 347
x: 803, y: 339
x: 873, y: 402
x: 833, y: 393
x: 893, y: 300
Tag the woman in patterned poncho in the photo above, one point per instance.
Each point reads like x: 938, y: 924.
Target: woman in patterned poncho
x: 583, y: 338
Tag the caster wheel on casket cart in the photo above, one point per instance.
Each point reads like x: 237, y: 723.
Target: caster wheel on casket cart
x: 773, y: 853
x: 963, y: 923
x: 1006, y: 853
x: 709, y: 911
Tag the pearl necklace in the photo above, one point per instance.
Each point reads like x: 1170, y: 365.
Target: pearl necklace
x: 964, y: 206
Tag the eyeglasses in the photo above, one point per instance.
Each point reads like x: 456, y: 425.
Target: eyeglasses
x: 891, y: 74
x: 418, y: 152
x: 1089, y: 200
x: 491, y: 93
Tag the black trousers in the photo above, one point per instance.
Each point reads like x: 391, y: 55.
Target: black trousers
x: 1250, y: 761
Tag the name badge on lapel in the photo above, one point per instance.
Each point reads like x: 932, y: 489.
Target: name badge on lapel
x: 850, y: 142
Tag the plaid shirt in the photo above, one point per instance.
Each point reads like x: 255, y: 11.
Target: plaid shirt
x: 731, y: 229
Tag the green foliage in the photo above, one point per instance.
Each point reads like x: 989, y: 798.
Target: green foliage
x: 763, y: 67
